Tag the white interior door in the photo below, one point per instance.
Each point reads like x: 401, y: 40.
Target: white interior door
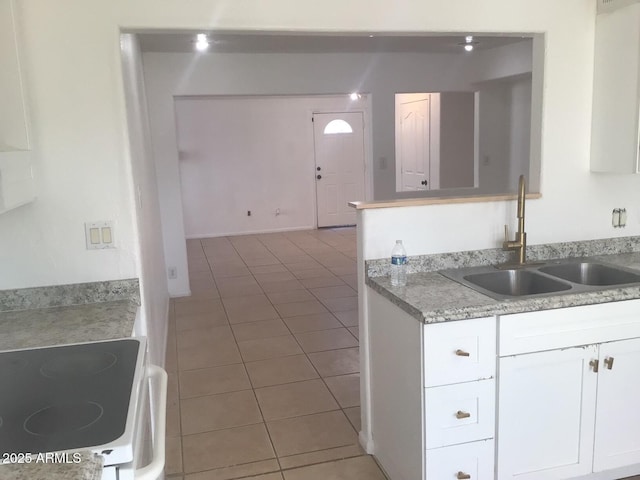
x: 415, y: 145
x: 339, y: 152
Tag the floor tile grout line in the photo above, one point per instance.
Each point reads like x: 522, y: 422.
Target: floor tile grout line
x: 255, y: 396
x: 244, y: 362
x: 317, y: 372
x: 175, y: 335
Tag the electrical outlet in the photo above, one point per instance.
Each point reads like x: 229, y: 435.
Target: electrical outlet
x: 172, y: 273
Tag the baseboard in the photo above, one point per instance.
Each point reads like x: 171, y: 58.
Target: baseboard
x: 366, y: 443
x: 250, y: 232
x: 180, y: 294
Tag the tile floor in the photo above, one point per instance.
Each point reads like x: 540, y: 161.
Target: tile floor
x: 263, y: 361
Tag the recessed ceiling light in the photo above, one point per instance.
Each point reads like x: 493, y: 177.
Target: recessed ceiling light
x: 202, y: 42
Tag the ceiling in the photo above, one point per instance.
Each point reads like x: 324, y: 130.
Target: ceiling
x: 322, y: 43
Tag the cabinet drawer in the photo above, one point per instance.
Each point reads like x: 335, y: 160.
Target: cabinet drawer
x: 460, y: 351
x: 459, y: 413
x: 473, y: 461
x: 568, y: 327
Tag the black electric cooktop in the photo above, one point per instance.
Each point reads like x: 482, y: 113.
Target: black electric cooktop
x: 66, y: 397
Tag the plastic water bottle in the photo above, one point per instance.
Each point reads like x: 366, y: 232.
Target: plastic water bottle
x: 398, y: 265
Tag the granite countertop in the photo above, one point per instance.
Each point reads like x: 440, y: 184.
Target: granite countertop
x: 431, y: 298
x: 55, y: 326
x: 88, y: 467
x: 71, y: 324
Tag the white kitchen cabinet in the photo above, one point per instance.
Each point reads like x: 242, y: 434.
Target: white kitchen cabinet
x: 432, y: 395
x: 14, y: 131
x: 561, y: 387
x: 616, y: 92
x: 16, y: 177
x: 617, y: 433
x: 546, y: 418
x: 569, y: 412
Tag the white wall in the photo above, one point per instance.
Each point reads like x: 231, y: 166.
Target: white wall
x: 240, y: 154
x: 153, y: 280
x: 520, y: 126
x: 494, y: 137
x: 80, y: 155
x: 457, y: 145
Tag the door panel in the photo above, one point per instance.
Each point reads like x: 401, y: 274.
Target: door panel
x: 340, y: 160
x: 617, y: 440
x: 546, y: 411
x: 414, y: 149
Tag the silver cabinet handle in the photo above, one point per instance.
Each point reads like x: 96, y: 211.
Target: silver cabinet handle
x: 460, y: 414
x: 609, y: 362
x: 463, y: 476
x: 462, y: 353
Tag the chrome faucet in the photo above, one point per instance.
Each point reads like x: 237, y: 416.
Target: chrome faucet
x: 520, y: 242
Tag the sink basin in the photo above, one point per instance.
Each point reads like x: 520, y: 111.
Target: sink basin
x: 555, y: 277
x: 516, y: 283
x: 586, y: 273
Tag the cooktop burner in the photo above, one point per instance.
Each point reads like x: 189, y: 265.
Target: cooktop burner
x: 63, y: 419
x: 61, y: 398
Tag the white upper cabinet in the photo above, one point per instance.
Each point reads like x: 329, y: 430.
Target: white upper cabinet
x: 16, y: 177
x: 616, y: 92
x: 14, y: 134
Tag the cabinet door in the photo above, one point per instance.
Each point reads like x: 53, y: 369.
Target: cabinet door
x: 614, y: 128
x: 617, y: 437
x: 546, y: 414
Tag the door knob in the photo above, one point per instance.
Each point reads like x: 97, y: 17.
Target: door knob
x: 318, y: 177
x: 318, y: 168
x: 423, y: 182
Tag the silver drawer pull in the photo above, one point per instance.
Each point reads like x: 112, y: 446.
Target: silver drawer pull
x: 460, y: 414
x: 462, y: 353
x: 463, y: 476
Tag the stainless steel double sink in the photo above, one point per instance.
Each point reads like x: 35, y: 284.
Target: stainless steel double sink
x: 553, y: 277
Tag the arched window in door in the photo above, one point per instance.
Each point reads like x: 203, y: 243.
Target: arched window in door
x: 337, y: 126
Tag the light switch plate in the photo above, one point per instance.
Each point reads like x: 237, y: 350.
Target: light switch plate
x: 99, y: 235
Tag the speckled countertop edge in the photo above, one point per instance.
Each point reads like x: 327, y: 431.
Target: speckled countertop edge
x: 432, y: 298
x: 72, y: 294
x: 62, y: 325
x: 86, y: 466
